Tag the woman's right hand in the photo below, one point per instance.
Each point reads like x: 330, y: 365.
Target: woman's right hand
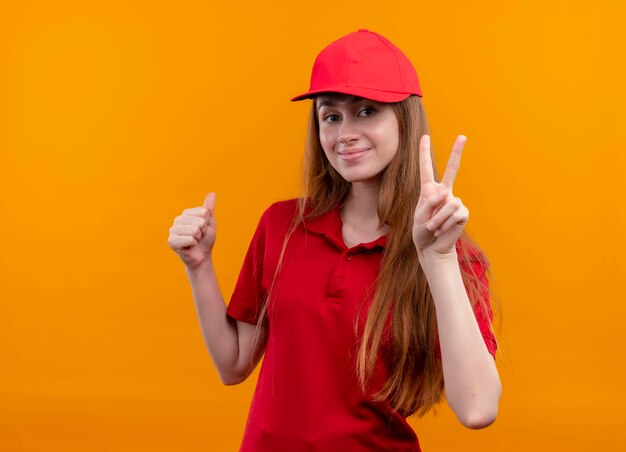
x: 192, y: 235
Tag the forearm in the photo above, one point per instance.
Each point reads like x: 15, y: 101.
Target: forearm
x: 220, y: 334
x: 471, y: 378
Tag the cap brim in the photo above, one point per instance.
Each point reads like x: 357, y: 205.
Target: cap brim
x: 380, y: 96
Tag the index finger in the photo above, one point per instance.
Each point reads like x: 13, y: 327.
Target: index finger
x: 195, y: 211
x: 454, y: 161
x: 425, y: 161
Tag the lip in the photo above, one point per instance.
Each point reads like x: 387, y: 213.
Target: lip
x: 352, y: 154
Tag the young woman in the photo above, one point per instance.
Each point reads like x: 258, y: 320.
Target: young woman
x: 365, y: 295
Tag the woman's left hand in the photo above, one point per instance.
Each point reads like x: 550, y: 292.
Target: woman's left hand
x: 439, y: 216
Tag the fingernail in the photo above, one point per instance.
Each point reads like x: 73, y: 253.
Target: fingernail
x: 431, y: 225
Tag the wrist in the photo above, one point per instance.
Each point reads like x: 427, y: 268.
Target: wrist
x: 202, y: 268
x: 432, y: 259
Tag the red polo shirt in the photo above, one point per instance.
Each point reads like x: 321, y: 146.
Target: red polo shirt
x: 307, y: 396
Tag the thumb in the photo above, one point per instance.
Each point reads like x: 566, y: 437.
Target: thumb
x: 209, y: 203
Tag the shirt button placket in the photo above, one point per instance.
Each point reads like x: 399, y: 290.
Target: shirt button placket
x: 336, y: 288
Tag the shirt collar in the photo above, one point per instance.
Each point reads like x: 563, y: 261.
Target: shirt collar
x: 330, y: 226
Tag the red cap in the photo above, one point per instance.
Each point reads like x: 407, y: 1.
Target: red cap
x: 364, y: 64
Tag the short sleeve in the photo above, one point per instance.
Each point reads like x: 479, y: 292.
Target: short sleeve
x: 482, y: 308
x: 247, y: 298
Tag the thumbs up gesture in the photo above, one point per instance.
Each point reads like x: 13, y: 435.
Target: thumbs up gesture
x: 439, y: 216
x: 192, y: 235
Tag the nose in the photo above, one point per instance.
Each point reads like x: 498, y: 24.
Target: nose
x: 348, y: 132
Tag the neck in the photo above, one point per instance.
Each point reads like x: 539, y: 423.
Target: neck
x: 361, y: 206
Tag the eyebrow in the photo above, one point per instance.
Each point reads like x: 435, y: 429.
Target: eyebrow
x: 332, y: 103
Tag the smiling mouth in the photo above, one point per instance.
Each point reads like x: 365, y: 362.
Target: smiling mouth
x: 352, y: 155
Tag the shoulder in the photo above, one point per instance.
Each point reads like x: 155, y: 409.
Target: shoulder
x: 283, y: 207
x: 274, y: 225
x: 280, y: 212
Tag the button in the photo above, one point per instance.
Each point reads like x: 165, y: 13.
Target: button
x: 348, y: 257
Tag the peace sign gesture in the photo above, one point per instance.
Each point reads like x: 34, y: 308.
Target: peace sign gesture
x: 439, y: 216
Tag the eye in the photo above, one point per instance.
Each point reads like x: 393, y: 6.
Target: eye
x: 331, y: 118
x: 369, y: 111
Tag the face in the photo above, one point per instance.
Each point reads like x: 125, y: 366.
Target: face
x: 359, y: 136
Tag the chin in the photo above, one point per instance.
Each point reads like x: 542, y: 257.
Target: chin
x: 352, y: 177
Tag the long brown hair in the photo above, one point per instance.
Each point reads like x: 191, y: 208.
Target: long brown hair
x: 415, y: 381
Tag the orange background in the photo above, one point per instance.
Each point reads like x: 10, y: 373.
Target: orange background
x: 115, y: 116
